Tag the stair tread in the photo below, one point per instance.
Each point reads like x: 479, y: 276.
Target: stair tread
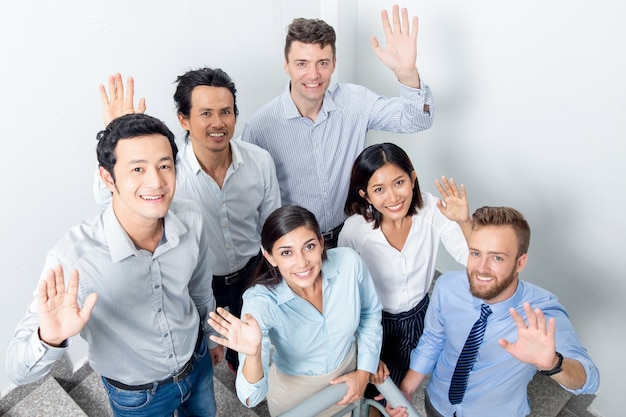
x: 48, y: 400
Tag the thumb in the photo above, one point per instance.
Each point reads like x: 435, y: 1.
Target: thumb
x: 88, y: 305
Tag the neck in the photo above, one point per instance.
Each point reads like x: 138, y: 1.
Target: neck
x: 145, y: 234
x: 308, y: 109
x: 214, y: 163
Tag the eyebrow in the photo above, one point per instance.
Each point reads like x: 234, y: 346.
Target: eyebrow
x: 305, y: 243
x: 493, y: 252
x: 144, y: 161
x: 393, y: 180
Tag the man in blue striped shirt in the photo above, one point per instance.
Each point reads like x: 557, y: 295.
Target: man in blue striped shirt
x: 315, y: 131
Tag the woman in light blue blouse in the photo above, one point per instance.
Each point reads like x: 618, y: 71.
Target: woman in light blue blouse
x: 316, y: 307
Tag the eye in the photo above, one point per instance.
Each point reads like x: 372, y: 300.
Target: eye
x: 285, y: 252
x: 300, y: 64
x: 323, y: 63
x: 227, y: 111
x: 311, y: 246
x: 137, y: 169
x: 399, y: 182
x: 474, y: 253
x: 378, y: 189
x: 204, y: 113
x: 497, y: 258
x: 165, y: 166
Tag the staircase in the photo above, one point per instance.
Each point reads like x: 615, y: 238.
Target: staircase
x: 81, y: 394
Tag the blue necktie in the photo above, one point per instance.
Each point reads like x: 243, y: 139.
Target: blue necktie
x: 467, y: 357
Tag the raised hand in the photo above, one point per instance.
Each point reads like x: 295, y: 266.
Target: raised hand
x: 116, y: 104
x: 535, y: 342
x: 401, y: 46
x: 454, y: 205
x: 59, y: 315
x: 242, y: 335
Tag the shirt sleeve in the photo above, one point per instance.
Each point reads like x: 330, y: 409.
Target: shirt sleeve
x: 251, y: 394
x: 369, y: 332
x: 424, y: 357
x: 402, y: 114
x: 29, y: 359
x: 568, y: 344
x: 200, y: 285
x: 271, y: 201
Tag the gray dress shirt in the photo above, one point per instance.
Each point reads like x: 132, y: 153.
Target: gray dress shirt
x: 150, y: 305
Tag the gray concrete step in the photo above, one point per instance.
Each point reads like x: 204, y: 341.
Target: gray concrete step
x: 48, y: 400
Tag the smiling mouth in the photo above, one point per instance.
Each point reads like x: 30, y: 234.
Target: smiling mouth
x: 152, y: 197
x: 312, y: 85
x: 217, y: 134
x: 304, y: 274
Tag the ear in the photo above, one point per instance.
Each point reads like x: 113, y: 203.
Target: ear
x: 413, y: 178
x: 285, y: 66
x: 521, y: 262
x: 364, y: 196
x: 184, y: 121
x: 107, y: 179
x: 269, y: 258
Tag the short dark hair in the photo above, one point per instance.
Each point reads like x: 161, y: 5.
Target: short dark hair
x: 210, y: 77
x: 366, y: 164
x: 127, y: 127
x: 504, y: 216
x: 281, y: 221
x: 310, y: 31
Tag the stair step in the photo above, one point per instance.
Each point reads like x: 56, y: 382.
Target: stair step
x: 48, y: 400
x: 91, y: 396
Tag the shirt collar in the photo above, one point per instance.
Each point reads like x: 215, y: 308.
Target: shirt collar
x: 191, y: 159
x: 122, y: 247
x: 502, y: 308
x: 284, y: 294
x: 292, y: 112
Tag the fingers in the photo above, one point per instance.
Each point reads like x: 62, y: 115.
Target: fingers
x: 88, y: 305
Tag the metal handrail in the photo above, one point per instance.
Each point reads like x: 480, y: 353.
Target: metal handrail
x: 332, y: 394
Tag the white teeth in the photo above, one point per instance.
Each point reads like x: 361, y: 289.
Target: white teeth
x: 216, y: 134
x: 151, y: 197
x: 396, y: 207
x: 312, y: 85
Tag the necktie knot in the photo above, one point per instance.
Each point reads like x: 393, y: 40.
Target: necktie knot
x: 485, y: 311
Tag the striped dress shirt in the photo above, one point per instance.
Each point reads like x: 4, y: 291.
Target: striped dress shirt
x: 314, y: 158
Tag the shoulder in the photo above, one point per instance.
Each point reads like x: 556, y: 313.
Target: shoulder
x: 452, y: 279
x: 188, y: 212
x: 82, y: 237
x: 267, y: 110
x: 355, y: 223
x: 343, y: 257
x: 251, y: 152
x: 340, y: 91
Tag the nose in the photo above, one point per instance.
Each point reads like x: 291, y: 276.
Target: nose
x: 216, y: 120
x: 301, y: 259
x: 154, y: 177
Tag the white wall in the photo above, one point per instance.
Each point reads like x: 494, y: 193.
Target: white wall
x: 55, y: 54
x: 530, y: 113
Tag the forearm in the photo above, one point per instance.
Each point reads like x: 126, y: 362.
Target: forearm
x: 28, y: 359
x: 411, y: 381
x: 573, y: 375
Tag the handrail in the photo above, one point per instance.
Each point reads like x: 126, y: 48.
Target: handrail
x: 330, y: 395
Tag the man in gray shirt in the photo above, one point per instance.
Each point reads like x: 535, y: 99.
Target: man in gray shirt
x: 233, y: 182
x: 144, y: 291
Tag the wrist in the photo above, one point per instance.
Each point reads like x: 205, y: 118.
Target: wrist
x: 557, y: 367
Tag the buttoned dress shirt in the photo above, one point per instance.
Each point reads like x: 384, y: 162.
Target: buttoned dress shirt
x: 234, y: 214
x: 314, y: 158
x: 403, y: 277
x: 306, y: 341
x: 145, y: 323
x: 497, y: 383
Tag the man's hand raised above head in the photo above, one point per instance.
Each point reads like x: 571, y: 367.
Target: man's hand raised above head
x: 400, y: 52
x: 115, y: 103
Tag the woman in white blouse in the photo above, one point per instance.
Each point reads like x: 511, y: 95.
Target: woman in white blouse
x: 396, y: 229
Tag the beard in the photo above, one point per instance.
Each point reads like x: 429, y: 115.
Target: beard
x: 498, y: 285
